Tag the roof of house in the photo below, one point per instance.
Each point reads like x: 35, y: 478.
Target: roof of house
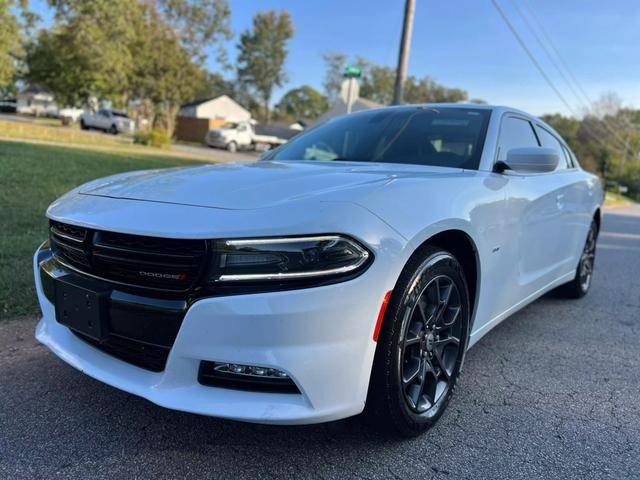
x: 197, y: 102
x: 200, y: 101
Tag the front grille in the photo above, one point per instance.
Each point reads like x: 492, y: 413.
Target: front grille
x: 138, y: 261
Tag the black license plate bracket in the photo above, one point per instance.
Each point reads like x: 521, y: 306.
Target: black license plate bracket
x: 82, y: 307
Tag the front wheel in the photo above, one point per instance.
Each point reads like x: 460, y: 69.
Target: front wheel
x: 422, y: 344
x: 113, y: 130
x: 232, y: 147
x: 579, y: 286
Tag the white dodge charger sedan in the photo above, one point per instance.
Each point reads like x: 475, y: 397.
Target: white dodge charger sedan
x: 348, y: 270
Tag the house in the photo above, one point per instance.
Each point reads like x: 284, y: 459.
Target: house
x: 340, y: 108
x: 37, y: 101
x: 196, y: 118
x: 219, y: 108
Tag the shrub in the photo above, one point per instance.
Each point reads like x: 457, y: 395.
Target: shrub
x: 154, y: 138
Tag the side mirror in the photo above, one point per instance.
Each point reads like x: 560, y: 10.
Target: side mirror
x: 530, y: 160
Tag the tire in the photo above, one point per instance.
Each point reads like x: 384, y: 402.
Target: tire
x: 399, y: 401
x: 579, y: 286
x: 83, y: 126
x: 232, y: 147
x: 113, y: 130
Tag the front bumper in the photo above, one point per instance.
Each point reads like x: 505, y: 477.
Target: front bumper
x: 321, y: 337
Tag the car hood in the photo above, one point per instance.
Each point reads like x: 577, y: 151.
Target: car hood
x: 254, y: 185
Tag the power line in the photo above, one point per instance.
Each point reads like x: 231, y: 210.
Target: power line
x: 586, y: 106
x: 555, y: 50
x: 531, y: 56
x: 547, y: 52
x: 540, y: 69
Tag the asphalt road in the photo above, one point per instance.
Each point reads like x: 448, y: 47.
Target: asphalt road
x: 553, y: 392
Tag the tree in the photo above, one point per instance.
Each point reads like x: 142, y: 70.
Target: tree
x: 377, y: 83
x: 15, y: 20
x: 213, y: 85
x: 9, y: 44
x: 427, y: 90
x: 150, y: 51
x: 263, y: 51
x: 198, y: 24
x: 606, y: 141
x: 164, y: 71
x: 302, y: 102
x: 335, y: 63
x: 88, y: 52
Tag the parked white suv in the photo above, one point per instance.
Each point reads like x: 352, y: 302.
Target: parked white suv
x: 112, y: 121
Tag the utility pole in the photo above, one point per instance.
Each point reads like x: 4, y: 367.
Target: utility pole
x: 403, y: 55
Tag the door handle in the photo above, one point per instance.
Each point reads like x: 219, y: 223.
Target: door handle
x: 559, y: 200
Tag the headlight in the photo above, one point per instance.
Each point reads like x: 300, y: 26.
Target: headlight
x: 287, y: 259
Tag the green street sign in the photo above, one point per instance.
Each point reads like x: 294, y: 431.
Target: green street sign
x: 352, y: 72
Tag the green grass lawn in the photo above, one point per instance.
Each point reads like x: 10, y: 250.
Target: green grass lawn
x: 616, y: 200
x: 31, y: 177
x: 54, y: 131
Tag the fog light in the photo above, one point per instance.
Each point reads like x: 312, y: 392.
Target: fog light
x: 249, y: 370
x: 235, y: 368
x: 245, y: 377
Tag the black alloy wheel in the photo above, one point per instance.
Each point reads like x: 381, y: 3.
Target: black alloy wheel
x: 421, y: 345
x: 587, y: 260
x: 431, y: 343
x: 579, y: 286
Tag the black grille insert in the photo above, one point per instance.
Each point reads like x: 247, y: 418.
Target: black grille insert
x: 141, y: 354
x: 139, y: 261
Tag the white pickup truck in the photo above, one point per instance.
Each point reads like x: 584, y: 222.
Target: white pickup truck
x: 112, y: 121
x: 246, y: 136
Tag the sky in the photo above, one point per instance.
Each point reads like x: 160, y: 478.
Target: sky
x: 465, y: 44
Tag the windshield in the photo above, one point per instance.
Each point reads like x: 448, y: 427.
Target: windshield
x: 116, y: 113
x: 446, y: 137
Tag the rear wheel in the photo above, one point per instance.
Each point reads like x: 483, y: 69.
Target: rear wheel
x: 579, y: 286
x: 422, y: 344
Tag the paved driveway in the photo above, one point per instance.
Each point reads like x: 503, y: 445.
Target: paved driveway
x: 553, y: 392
